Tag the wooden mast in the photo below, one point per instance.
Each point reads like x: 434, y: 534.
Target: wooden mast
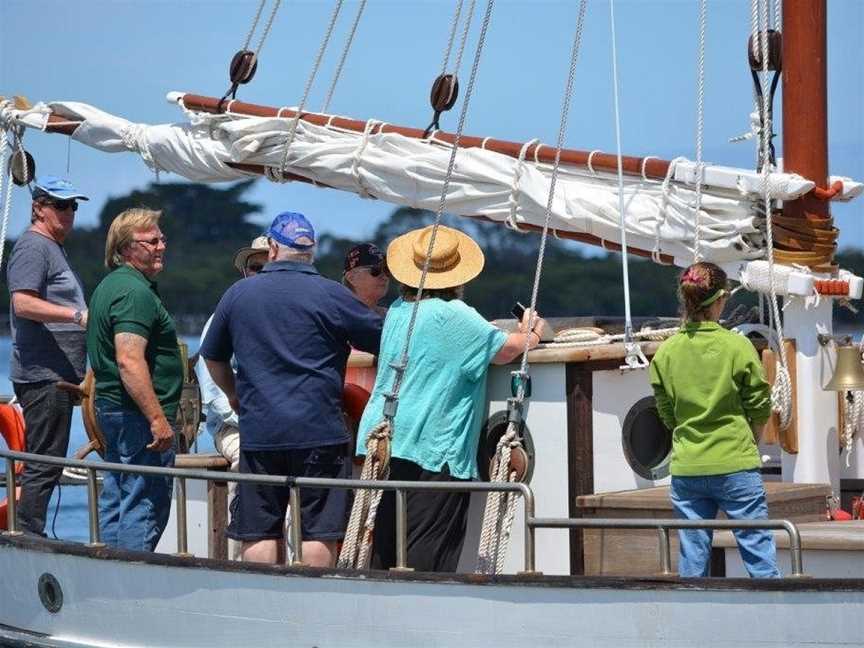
x: 805, y: 101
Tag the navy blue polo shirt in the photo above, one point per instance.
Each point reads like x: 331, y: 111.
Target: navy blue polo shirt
x: 291, y: 331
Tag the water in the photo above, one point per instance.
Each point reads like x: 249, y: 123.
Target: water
x: 67, y: 512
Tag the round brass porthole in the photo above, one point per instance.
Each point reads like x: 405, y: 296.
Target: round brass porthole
x: 490, y: 434
x: 647, y: 442
x: 50, y: 593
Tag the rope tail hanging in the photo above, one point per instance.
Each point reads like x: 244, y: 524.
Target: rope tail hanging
x: 500, y: 506
x: 781, y: 391
x: 635, y: 358
x: 356, y: 549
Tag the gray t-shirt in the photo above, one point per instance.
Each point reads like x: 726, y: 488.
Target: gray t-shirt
x: 43, y: 351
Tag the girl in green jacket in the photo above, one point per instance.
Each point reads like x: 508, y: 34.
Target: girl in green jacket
x: 711, y: 392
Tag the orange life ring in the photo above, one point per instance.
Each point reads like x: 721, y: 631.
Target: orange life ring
x: 354, y: 399
x: 12, y: 431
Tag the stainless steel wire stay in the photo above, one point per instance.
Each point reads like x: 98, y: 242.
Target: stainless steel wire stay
x: 530, y: 521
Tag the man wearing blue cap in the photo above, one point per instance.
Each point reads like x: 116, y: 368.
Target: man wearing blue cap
x: 290, y: 331
x: 48, y: 316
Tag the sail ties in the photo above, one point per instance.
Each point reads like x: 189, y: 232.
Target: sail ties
x: 513, y: 198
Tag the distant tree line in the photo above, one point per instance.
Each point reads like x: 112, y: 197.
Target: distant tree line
x: 206, y: 224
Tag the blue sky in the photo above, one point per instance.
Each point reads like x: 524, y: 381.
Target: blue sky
x: 123, y: 56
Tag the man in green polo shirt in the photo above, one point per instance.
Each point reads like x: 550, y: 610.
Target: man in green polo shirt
x: 133, y: 350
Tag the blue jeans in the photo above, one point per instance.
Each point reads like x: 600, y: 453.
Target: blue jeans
x: 741, y: 496
x: 133, y: 509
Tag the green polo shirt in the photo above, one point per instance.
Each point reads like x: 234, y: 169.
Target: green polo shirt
x: 710, y: 386
x: 126, y: 301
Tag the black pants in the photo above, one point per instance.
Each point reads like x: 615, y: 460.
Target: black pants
x: 436, y: 522
x: 47, y: 419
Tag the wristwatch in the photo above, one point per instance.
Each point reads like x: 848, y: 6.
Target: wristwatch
x: 77, y: 317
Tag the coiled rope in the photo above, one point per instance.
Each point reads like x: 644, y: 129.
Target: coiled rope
x: 356, y: 548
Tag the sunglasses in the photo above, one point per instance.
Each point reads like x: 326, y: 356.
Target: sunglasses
x: 376, y: 270
x: 153, y: 241
x: 63, y: 205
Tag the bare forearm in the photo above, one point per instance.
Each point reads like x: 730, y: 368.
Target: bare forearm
x: 514, y: 346
x: 29, y: 306
x: 222, y: 375
x: 135, y: 374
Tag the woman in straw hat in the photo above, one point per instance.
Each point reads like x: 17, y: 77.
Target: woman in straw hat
x: 442, y: 395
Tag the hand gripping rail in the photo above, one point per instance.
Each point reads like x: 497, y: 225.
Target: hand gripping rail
x: 531, y: 522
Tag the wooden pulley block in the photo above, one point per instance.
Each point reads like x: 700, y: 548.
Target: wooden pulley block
x: 445, y: 92
x: 243, y: 67
x: 86, y: 393
x: 382, y: 454
x: 775, y: 51
x: 519, y: 463
x: 22, y: 168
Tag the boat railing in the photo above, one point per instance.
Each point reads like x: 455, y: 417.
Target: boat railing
x: 530, y: 521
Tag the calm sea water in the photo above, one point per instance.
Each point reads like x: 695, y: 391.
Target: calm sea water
x: 67, y: 513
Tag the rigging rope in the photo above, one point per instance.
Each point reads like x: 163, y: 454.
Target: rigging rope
x: 344, y: 56
x: 635, y: 358
x: 781, y: 391
x: 358, y: 538
x: 700, y: 132
x: 5, y: 192
x: 495, y: 533
x: 292, y: 129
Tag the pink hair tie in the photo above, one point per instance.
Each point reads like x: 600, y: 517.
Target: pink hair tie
x: 691, y: 276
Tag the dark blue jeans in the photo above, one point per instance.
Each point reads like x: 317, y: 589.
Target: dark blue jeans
x: 133, y: 509
x: 741, y: 496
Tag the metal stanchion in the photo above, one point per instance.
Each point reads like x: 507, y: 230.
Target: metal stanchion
x: 665, y: 552
x: 12, y: 504
x: 182, y: 527
x: 401, y: 532
x: 93, y: 509
x: 296, y: 535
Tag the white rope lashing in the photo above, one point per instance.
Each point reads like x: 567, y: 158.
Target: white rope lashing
x: 348, y: 42
x: 513, y: 198
x: 5, y: 192
x: 700, y: 132
x: 781, y: 391
x: 501, y: 506
x: 635, y: 359
x: 356, y: 547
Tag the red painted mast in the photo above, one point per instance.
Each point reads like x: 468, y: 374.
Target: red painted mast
x: 805, y: 101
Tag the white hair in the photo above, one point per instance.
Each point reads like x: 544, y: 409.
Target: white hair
x: 288, y: 253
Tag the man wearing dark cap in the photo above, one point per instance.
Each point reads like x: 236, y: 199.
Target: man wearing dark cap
x: 366, y: 275
x: 290, y: 331
x: 48, y: 318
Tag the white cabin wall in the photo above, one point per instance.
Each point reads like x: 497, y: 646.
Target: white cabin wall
x: 547, y: 422
x: 615, y: 392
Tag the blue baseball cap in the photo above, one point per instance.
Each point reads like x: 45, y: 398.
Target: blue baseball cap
x: 55, y: 187
x: 290, y: 228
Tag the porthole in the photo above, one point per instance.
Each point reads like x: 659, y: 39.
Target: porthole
x: 50, y: 593
x: 647, y: 442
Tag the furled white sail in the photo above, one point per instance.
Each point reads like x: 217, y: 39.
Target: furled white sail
x: 659, y: 216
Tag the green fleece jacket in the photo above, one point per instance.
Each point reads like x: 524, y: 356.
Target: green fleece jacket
x: 710, y: 386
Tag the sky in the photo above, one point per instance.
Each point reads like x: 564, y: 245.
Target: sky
x: 125, y: 55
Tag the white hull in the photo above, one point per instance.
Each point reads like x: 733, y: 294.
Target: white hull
x: 165, y: 601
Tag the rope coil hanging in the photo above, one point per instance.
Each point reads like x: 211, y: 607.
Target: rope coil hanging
x: 781, y: 391
x: 356, y: 548
x: 501, y: 506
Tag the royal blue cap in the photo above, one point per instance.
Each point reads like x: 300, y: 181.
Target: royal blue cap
x: 290, y: 228
x: 56, y: 188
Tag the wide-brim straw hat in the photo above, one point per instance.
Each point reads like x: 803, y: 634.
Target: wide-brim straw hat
x: 258, y: 245
x: 455, y: 260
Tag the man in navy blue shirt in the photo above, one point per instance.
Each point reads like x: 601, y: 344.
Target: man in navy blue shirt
x: 291, y: 331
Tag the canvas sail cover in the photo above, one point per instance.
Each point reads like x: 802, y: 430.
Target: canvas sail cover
x: 660, y: 217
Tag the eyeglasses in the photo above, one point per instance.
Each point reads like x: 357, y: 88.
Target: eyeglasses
x: 153, y: 241
x: 62, y: 205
